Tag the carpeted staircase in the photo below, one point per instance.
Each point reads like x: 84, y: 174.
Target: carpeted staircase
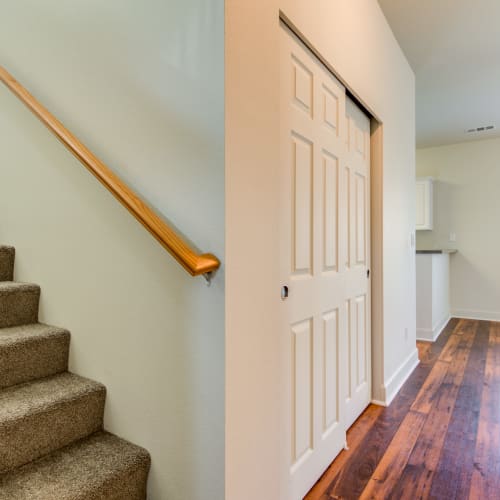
x: 52, y: 443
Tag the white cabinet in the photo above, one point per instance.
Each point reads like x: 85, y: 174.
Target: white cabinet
x: 433, y: 294
x: 424, y: 204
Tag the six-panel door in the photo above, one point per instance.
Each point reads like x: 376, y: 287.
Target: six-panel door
x: 324, y: 233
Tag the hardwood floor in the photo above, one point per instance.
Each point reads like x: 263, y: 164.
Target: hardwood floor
x: 440, y: 437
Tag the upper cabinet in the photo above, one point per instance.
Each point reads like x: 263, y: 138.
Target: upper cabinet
x: 424, y: 204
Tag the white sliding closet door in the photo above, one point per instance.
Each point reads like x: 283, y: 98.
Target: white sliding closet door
x: 324, y: 234
x: 357, y: 285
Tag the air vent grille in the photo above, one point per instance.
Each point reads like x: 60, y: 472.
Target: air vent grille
x: 478, y: 130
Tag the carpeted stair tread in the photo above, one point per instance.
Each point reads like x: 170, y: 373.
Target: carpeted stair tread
x: 36, y: 396
x: 15, y: 286
x: 39, y: 417
x: 29, y: 352
x: 101, y: 467
x: 18, y: 303
x: 7, y: 255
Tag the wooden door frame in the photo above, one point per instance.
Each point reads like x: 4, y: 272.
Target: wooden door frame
x: 376, y: 221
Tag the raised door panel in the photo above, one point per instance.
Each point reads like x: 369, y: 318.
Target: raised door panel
x: 360, y: 218
x: 302, y: 85
x: 346, y: 206
x: 330, y: 211
x: 350, y: 369
x: 361, y: 341
x: 302, y: 211
x: 302, y: 390
x: 331, y: 372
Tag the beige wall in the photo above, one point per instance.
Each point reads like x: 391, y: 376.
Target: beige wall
x: 467, y: 203
x: 353, y: 36
x: 141, y: 83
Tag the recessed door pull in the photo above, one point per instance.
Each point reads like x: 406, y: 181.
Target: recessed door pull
x: 368, y: 273
x: 284, y: 292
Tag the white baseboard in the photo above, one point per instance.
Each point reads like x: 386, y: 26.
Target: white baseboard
x: 429, y: 335
x: 396, y: 381
x: 472, y: 314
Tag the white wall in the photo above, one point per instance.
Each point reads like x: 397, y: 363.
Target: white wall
x: 253, y: 402
x: 467, y: 203
x: 353, y: 36
x: 141, y: 83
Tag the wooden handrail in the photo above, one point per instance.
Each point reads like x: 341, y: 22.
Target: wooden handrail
x: 193, y: 262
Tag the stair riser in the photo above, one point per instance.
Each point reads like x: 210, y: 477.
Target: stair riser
x: 28, y: 361
x: 130, y: 485
x: 6, y: 263
x: 29, y: 438
x: 19, y: 307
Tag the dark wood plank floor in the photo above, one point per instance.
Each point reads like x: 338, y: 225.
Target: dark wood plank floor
x: 440, y: 437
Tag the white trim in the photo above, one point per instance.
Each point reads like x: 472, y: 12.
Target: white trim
x: 425, y: 334
x: 471, y: 314
x: 377, y: 402
x: 428, y: 335
x: 400, y: 376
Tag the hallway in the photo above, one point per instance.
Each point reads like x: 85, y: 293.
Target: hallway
x: 440, y: 436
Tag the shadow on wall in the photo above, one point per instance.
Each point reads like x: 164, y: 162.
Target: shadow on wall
x: 144, y: 92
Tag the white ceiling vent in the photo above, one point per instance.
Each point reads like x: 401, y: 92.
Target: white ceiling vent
x: 479, y: 130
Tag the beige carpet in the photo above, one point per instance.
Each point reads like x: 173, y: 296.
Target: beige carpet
x: 52, y: 446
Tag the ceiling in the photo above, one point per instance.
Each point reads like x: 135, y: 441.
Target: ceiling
x: 454, y: 48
